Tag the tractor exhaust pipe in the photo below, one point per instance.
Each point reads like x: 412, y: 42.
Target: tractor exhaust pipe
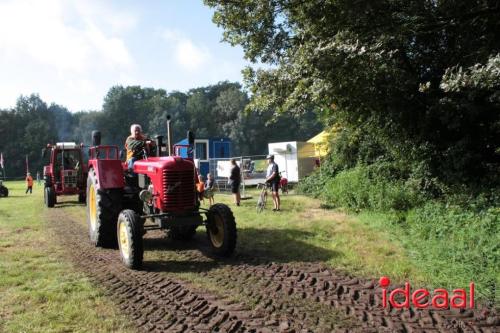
x: 159, y: 145
x: 96, y: 138
x: 169, y: 136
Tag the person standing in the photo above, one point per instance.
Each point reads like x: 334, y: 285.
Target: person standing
x: 273, y: 180
x: 29, y: 183
x: 200, y: 187
x: 235, y: 181
x: 209, y: 189
x: 38, y: 177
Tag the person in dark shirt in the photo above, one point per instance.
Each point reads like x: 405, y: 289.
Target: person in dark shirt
x: 235, y: 181
x: 273, y: 181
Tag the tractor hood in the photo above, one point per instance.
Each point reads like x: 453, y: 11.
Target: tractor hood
x: 154, y: 165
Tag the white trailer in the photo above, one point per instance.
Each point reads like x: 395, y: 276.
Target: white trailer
x: 295, y: 159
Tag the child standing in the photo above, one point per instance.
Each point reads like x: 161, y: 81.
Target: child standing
x: 29, y: 183
x: 209, y: 189
x: 200, y: 187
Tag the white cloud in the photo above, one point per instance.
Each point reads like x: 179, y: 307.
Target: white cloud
x: 187, y: 54
x: 72, y: 44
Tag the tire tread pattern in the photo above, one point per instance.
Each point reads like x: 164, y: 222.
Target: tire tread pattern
x: 230, y: 234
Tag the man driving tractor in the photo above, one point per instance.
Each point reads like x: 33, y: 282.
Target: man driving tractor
x: 135, y: 144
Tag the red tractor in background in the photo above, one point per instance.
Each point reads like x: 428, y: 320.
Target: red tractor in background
x: 65, y: 174
x: 160, y: 193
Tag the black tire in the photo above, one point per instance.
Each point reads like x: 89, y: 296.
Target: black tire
x: 182, y: 233
x: 129, y: 234
x: 81, y: 198
x: 4, y: 191
x: 221, y: 230
x: 103, y: 207
x: 49, y: 197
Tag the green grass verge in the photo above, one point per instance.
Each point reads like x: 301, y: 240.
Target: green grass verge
x: 38, y: 291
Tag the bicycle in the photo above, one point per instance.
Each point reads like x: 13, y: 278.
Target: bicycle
x: 261, y: 202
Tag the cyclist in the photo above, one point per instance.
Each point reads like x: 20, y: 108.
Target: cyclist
x: 273, y: 180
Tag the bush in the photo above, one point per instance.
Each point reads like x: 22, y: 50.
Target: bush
x: 457, y: 244
x: 379, y: 186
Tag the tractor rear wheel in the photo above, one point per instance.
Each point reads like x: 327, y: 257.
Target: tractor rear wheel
x: 4, y: 191
x: 103, y: 207
x: 221, y: 230
x: 49, y: 196
x: 129, y: 235
x: 182, y: 233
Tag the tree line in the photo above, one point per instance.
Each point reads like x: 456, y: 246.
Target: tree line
x: 214, y: 111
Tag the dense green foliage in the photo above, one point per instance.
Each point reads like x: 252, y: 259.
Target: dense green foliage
x: 417, y: 81
x: 213, y: 111
x: 460, y: 242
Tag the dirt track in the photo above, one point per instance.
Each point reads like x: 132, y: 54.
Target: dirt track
x: 245, y: 294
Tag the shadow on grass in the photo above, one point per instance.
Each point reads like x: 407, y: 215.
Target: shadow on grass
x: 65, y: 204
x: 254, y: 247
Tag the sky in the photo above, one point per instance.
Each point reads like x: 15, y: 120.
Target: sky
x: 71, y: 52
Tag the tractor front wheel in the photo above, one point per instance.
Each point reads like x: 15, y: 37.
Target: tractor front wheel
x: 129, y: 233
x: 103, y: 207
x: 49, y: 196
x: 221, y: 230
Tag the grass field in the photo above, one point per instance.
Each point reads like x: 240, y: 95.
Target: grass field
x: 41, y: 293
x: 38, y: 292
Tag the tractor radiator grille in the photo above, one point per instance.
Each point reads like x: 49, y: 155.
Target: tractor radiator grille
x: 69, y: 178
x: 178, y: 191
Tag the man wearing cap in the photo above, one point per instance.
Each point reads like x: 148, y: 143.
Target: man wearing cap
x: 273, y: 179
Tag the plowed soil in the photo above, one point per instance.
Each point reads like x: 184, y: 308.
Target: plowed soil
x: 182, y: 289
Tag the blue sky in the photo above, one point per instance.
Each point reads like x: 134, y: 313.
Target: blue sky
x: 71, y: 52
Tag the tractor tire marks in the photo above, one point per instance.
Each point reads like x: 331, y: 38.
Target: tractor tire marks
x: 260, y: 297
x: 359, y: 299
x: 155, y: 301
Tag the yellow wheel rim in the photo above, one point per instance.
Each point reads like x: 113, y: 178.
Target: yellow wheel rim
x: 92, y: 207
x: 124, y: 244
x: 217, y: 232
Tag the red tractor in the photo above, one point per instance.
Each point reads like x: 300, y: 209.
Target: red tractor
x: 160, y: 193
x: 65, y: 174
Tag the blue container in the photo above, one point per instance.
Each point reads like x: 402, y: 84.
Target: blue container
x: 206, y: 149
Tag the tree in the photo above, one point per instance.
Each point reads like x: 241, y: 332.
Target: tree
x: 391, y: 69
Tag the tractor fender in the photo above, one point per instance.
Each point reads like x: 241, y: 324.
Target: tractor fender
x: 109, y: 173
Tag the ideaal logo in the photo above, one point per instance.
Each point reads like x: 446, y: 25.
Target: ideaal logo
x: 422, y: 298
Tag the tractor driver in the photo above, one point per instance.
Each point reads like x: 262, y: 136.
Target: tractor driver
x: 135, y: 144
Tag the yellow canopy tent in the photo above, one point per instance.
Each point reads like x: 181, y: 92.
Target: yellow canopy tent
x: 320, y: 142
